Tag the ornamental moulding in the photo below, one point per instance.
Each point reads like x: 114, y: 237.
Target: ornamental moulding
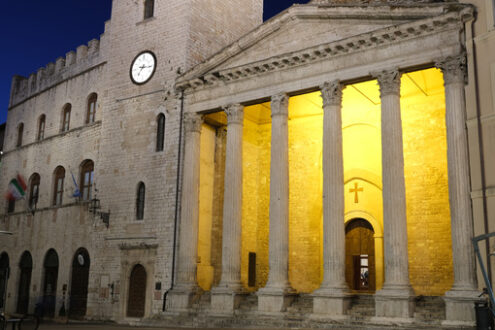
x: 380, y: 38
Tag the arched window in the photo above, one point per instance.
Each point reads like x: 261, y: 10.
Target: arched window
x: 87, y: 177
x: 58, y: 185
x: 140, y: 201
x: 90, y: 116
x: 149, y: 7
x: 160, y: 132
x: 41, y: 127
x: 66, y: 117
x: 34, y: 190
x: 20, y: 131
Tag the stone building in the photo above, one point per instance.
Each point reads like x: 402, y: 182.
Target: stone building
x: 329, y: 165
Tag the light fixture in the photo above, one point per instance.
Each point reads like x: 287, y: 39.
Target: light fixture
x: 94, y: 207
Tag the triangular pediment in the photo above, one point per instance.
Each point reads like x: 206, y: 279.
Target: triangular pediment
x: 304, y: 27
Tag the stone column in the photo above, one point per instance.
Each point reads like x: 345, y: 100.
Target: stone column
x: 396, y: 297
x: 224, y: 298
x: 459, y: 301
x: 332, y: 298
x: 273, y: 297
x: 186, y: 284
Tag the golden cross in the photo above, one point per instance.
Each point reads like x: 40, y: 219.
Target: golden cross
x: 356, y: 190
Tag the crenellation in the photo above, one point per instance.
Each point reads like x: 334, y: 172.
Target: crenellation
x: 70, y: 58
x: 93, y: 46
x: 50, y: 69
x: 59, y: 64
x: 81, y: 53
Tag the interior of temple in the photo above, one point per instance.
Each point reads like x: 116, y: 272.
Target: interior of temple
x: 426, y: 180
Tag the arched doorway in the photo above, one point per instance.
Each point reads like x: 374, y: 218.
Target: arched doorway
x: 50, y: 283
x: 79, y: 284
x: 360, y: 256
x: 4, y: 276
x: 137, y: 292
x: 26, y: 268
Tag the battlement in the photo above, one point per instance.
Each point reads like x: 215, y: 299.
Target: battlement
x: 72, y: 64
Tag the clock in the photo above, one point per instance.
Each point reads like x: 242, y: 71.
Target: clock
x: 143, y: 67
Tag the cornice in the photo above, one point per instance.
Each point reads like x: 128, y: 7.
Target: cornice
x: 378, y: 38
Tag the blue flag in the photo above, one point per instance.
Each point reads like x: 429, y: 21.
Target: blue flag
x: 76, y: 193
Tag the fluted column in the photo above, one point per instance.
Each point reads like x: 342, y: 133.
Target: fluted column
x: 394, y: 300
x: 271, y: 298
x: 332, y: 297
x: 223, y: 296
x: 186, y: 284
x: 459, y: 300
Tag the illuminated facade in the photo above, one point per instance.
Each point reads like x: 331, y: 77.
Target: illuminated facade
x: 313, y: 170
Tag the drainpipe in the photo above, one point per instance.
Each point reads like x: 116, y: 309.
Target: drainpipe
x: 177, y: 186
x: 472, y: 62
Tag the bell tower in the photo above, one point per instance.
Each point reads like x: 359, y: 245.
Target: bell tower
x: 150, y: 43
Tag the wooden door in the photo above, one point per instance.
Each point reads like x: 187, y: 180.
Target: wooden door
x: 50, y: 283
x: 79, y: 285
x: 26, y: 268
x: 360, y: 256
x: 4, y: 276
x: 137, y: 292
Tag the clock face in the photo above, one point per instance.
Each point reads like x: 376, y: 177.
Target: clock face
x: 143, y: 67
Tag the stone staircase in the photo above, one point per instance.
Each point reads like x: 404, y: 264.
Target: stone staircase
x: 429, y: 310
x: 300, y: 308
x: 362, y: 308
x: 429, y: 313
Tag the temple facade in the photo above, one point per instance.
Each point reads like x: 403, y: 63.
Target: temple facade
x: 327, y: 166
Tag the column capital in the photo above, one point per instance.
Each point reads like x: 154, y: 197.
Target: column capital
x: 192, y: 122
x: 235, y: 113
x: 280, y: 105
x: 453, y: 68
x: 389, y: 81
x: 331, y: 93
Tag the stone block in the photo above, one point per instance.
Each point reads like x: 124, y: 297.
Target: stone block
x: 331, y: 305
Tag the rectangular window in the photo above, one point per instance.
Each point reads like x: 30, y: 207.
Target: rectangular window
x: 41, y: 134
x: 91, y: 114
x: 59, y: 191
x: 11, y: 207
x: 34, y: 196
x: 88, y: 183
x: 65, y: 126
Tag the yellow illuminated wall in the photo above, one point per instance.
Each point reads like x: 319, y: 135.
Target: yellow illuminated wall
x: 305, y: 192
x: 425, y: 170
x: 207, y: 171
x: 256, y: 191
x: 428, y: 215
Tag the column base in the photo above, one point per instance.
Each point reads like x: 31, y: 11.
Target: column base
x: 395, y: 302
x: 331, y: 301
x: 225, y: 299
x: 180, y: 298
x: 459, y: 307
x: 274, y: 300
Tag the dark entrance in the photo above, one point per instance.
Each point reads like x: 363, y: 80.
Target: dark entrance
x: 50, y: 283
x: 26, y: 268
x: 360, y: 256
x: 79, y: 284
x: 4, y: 276
x: 137, y: 292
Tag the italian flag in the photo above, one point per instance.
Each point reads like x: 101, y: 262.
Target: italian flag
x: 17, y: 188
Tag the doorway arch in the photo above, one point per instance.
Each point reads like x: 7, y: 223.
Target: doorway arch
x: 25, y: 269
x: 360, y: 255
x: 4, y: 277
x: 137, y: 292
x: 79, y: 284
x: 50, y: 266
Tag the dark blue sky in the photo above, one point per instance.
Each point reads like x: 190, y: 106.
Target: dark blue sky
x: 34, y: 33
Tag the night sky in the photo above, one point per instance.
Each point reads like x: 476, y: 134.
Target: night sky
x: 34, y: 33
